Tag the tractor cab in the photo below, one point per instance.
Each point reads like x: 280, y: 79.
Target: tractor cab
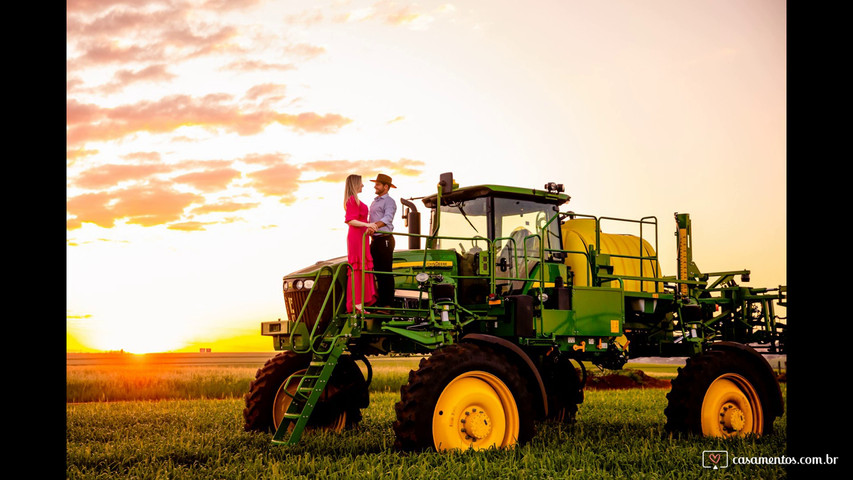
x: 505, y: 229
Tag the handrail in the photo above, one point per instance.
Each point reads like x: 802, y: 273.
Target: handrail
x: 641, y: 257
x: 525, y: 257
x: 648, y: 220
x: 336, y: 305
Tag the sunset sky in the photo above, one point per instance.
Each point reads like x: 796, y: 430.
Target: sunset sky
x: 208, y: 140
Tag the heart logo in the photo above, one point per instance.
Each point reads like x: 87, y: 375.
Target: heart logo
x: 714, y: 457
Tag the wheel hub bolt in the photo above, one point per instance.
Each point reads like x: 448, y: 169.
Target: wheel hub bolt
x: 732, y: 418
x: 479, y: 426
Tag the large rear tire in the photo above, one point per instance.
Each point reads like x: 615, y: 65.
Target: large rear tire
x: 464, y: 396
x: 722, y: 393
x: 338, y: 408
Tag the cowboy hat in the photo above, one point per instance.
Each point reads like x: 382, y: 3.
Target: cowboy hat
x: 384, y: 179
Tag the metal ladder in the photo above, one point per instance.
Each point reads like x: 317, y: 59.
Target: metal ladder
x: 313, y: 382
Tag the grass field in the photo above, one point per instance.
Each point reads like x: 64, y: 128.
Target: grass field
x: 619, y: 434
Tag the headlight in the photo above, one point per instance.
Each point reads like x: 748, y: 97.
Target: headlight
x: 297, y: 284
x: 285, y: 285
x: 422, y: 277
x: 308, y: 283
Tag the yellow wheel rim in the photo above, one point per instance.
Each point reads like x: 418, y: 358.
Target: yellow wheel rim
x: 731, y: 408
x: 282, y: 402
x: 476, y: 410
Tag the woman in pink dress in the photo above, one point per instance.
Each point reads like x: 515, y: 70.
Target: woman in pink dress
x: 358, y: 255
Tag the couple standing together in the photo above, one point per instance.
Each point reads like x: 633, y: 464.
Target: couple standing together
x: 377, y: 220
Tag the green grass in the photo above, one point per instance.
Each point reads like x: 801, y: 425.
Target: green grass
x: 165, y: 382
x: 155, y: 382
x: 112, y: 383
x: 619, y: 434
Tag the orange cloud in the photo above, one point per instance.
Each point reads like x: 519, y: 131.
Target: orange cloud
x: 144, y: 156
x: 87, y: 122
x: 146, y: 205
x: 268, y: 159
x: 72, y: 155
x: 312, y: 122
x: 227, y: 206
x: 153, y: 205
x: 152, y: 201
x: 407, y: 166
x: 91, y: 208
x: 337, y: 170
x: 209, y: 180
x: 189, y: 226
x: 277, y: 181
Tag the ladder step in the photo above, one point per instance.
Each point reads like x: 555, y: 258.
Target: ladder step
x: 308, y: 393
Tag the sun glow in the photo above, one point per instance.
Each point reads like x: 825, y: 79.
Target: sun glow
x: 135, y: 339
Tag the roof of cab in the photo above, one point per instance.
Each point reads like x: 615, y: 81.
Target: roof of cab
x: 467, y: 193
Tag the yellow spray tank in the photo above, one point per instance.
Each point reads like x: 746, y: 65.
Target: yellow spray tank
x: 579, y: 236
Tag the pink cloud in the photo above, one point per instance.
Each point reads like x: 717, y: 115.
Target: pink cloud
x: 88, y: 122
x: 118, y: 21
x: 123, y: 78
x: 304, y: 50
x: 251, y: 65
x: 107, y: 176
x: 106, y: 52
x: 265, y: 90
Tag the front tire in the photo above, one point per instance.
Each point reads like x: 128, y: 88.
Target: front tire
x: 464, y: 396
x: 338, y: 408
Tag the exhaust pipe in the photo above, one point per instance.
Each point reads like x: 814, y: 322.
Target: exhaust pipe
x: 412, y: 219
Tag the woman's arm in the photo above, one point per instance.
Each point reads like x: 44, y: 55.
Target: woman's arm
x: 359, y: 223
x: 351, y: 217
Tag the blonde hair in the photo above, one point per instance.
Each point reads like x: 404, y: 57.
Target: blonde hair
x: 351, y: 188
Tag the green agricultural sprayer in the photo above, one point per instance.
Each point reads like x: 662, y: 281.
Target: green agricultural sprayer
x: 507, y: 299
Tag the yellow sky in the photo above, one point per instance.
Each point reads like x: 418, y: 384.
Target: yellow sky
x: 208, y: 140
